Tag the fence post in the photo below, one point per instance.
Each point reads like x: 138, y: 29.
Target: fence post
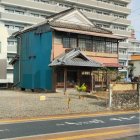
x: 110, y: 95
x: 139, y: 93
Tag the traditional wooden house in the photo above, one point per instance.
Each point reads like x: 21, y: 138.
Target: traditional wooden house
x: 64, y: 50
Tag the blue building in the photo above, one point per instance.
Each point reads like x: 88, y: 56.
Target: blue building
x: 63, y: 51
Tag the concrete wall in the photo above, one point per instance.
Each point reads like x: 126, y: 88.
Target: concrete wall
x: 3, y: 52
x: 137, y: 68
x: 124, y: 86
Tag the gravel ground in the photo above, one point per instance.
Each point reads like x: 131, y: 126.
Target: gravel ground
x: 17, y: 104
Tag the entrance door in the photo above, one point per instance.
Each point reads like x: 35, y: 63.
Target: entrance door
x: 86, y: 78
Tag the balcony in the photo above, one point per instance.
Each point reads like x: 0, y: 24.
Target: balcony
x: 11, y: 49
x: 126, y: 1
x: 20, y: 18
x: 101, y: 5
x: 122, y: 33
x: 123, y: 56
x: 134, y: 49
x: 33, y: 5
x: 55, y: 8
x: 106, y: 18
x: 124, y: 45
x: 9, y: 67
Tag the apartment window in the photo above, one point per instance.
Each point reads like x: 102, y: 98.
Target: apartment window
x: 9, y: 26
x: 87, y: 10
x: 122, y: 28
x: 122, y: 63
x: 10, y: 42
x: 105, y: 13
x: 99, y: 12
x: 115, y: 27
x: 35, y: 14
x: 19, y: 12
x: 99, y: 25
x: 106, y: 26
x: 9, y: 10
x: 43, y: 16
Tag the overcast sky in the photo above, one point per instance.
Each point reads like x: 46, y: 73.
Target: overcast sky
x: 135, y: 17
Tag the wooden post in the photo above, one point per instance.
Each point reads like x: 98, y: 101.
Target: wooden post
x: 92, y: 83
x: 110, y: 95
x: 65, y: 80
x: 139, y: 93
x: 54, y: 81
x: 78, y: 77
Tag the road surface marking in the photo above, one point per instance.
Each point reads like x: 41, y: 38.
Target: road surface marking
x: 4, y: 130
x: 81, y: 123
x: 93, y: 135
x: 123, y: 118
x: 68, y: 116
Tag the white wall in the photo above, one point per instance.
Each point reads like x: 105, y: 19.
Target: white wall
x: 137, y: 68
x: 3, y: 40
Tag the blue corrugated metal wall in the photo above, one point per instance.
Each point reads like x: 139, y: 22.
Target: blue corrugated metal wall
x: 34, y: 59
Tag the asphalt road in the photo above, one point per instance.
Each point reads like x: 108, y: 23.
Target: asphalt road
x: 15, y: 130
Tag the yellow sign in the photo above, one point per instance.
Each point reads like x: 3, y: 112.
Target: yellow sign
x: 42, y: 98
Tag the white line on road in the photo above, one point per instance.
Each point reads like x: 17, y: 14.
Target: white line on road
x: 4, y: 130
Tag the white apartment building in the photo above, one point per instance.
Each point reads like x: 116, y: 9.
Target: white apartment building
x: 17, y: 14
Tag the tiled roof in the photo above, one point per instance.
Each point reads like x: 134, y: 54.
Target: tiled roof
x: 74, y: 58
x: 79, y: 27
x: 95, y: 33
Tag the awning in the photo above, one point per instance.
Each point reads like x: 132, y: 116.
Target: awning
x: 88, y: 33
x: 106, y: 61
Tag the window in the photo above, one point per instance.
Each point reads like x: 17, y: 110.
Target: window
x: 9, y: 10
x: 98, y: 12
x: 89, y: 45
x: 66, y: 42
x: 10, y: 42
x: 82, y: 44
x: 73, y: 42
x: 109, y: 47
x: 114, y: 47
x: 35, y: 14
x: 19, y: 12
x: 9, y: 26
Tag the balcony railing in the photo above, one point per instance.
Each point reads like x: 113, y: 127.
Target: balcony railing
x: 98, y: 4
x: 123, y: 45
x: 56, y: 8
x: 12, y: 49
x: 106, y: 18
x: 134, y: 49
x: 122, y: 32
x: 127, y: 1
x: 123, y: 56
x: 20, y: 18
x: 34, y: 5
